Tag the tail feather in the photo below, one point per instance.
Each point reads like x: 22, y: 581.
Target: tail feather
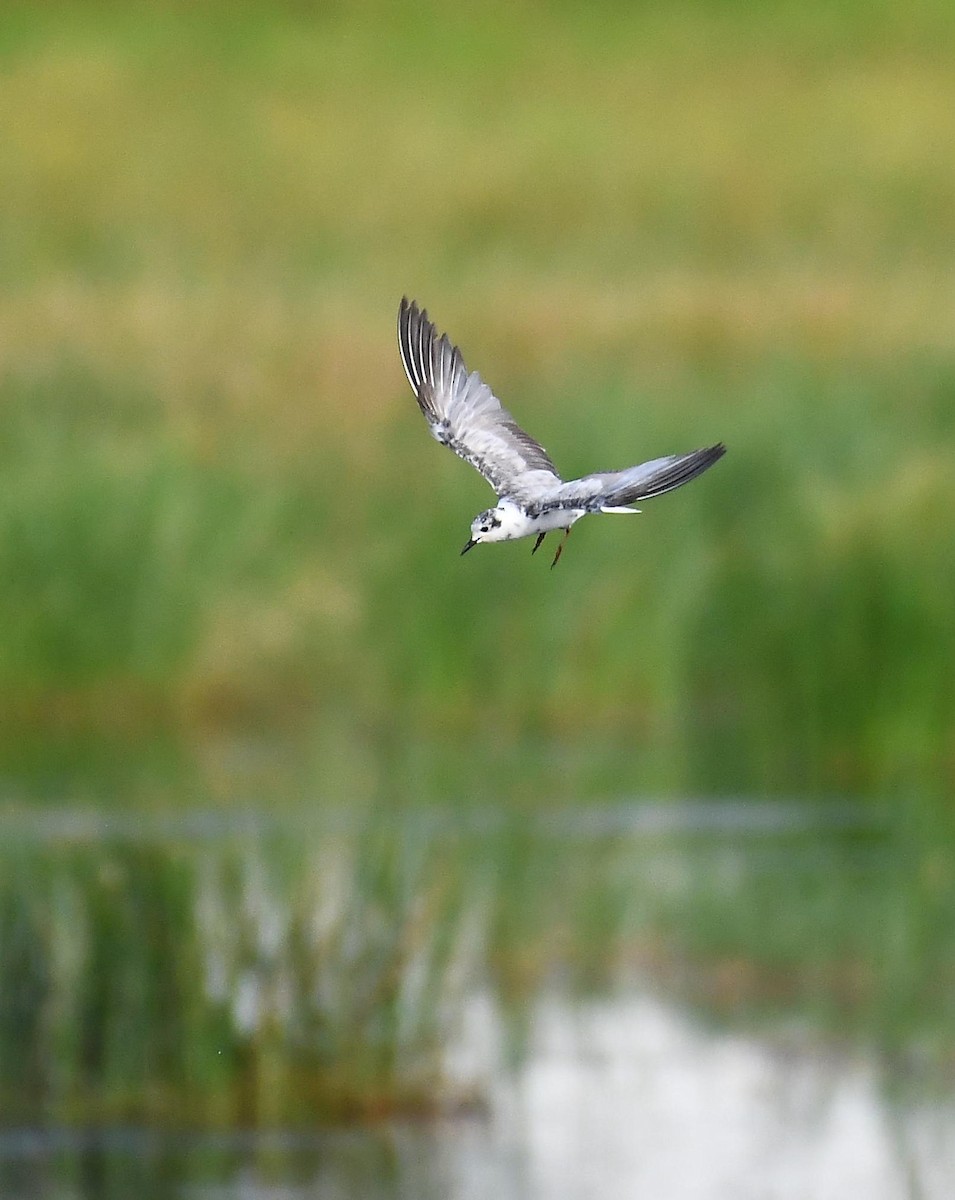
x: 615, y: 490
x: 660, y: 475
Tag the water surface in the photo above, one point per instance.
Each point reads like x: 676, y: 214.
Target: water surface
x: 620, y: 1098
x: 691, y: 1001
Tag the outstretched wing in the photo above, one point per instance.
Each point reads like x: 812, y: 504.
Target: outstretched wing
x: 614, y: 489
x: 465, y: 415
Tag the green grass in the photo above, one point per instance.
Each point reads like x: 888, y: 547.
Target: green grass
x: 220, y: 510
x: 292, y: 973
x: 259, y: 974
x: 782, y: 626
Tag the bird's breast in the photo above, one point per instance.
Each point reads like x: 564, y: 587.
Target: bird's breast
x: 551, y: 518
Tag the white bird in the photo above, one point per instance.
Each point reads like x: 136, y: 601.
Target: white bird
x: 464, y: 414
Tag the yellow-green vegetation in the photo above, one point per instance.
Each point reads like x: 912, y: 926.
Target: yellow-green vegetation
x: 650, y: 228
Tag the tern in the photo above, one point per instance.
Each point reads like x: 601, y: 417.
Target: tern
x: 464, y: 414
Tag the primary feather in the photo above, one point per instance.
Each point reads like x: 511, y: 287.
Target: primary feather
x: 465, y: 415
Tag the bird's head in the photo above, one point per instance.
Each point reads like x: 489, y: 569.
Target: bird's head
x: 488, y: 526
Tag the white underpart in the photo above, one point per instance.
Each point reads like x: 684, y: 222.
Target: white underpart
x: 515, y: 523
x: 623, y: 508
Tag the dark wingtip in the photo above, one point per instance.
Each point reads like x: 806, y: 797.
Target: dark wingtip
x: 703, y: 459
x: 406, y: 310
x: 412, y: 315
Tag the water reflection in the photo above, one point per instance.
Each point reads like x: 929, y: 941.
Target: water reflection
x: 357, y: 973
x: 617, y: 1099
x: 630, y: 1098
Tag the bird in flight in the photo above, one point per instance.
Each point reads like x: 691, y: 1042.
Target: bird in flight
x: 464, y: 414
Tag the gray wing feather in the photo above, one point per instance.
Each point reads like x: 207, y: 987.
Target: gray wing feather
x: 465, y: 415
x: 618, y: 488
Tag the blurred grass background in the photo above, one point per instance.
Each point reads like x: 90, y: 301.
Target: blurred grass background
x: 229, y: 550
x: 649, y: 227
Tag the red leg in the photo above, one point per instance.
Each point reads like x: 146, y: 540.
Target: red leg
x: 560, y: 548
